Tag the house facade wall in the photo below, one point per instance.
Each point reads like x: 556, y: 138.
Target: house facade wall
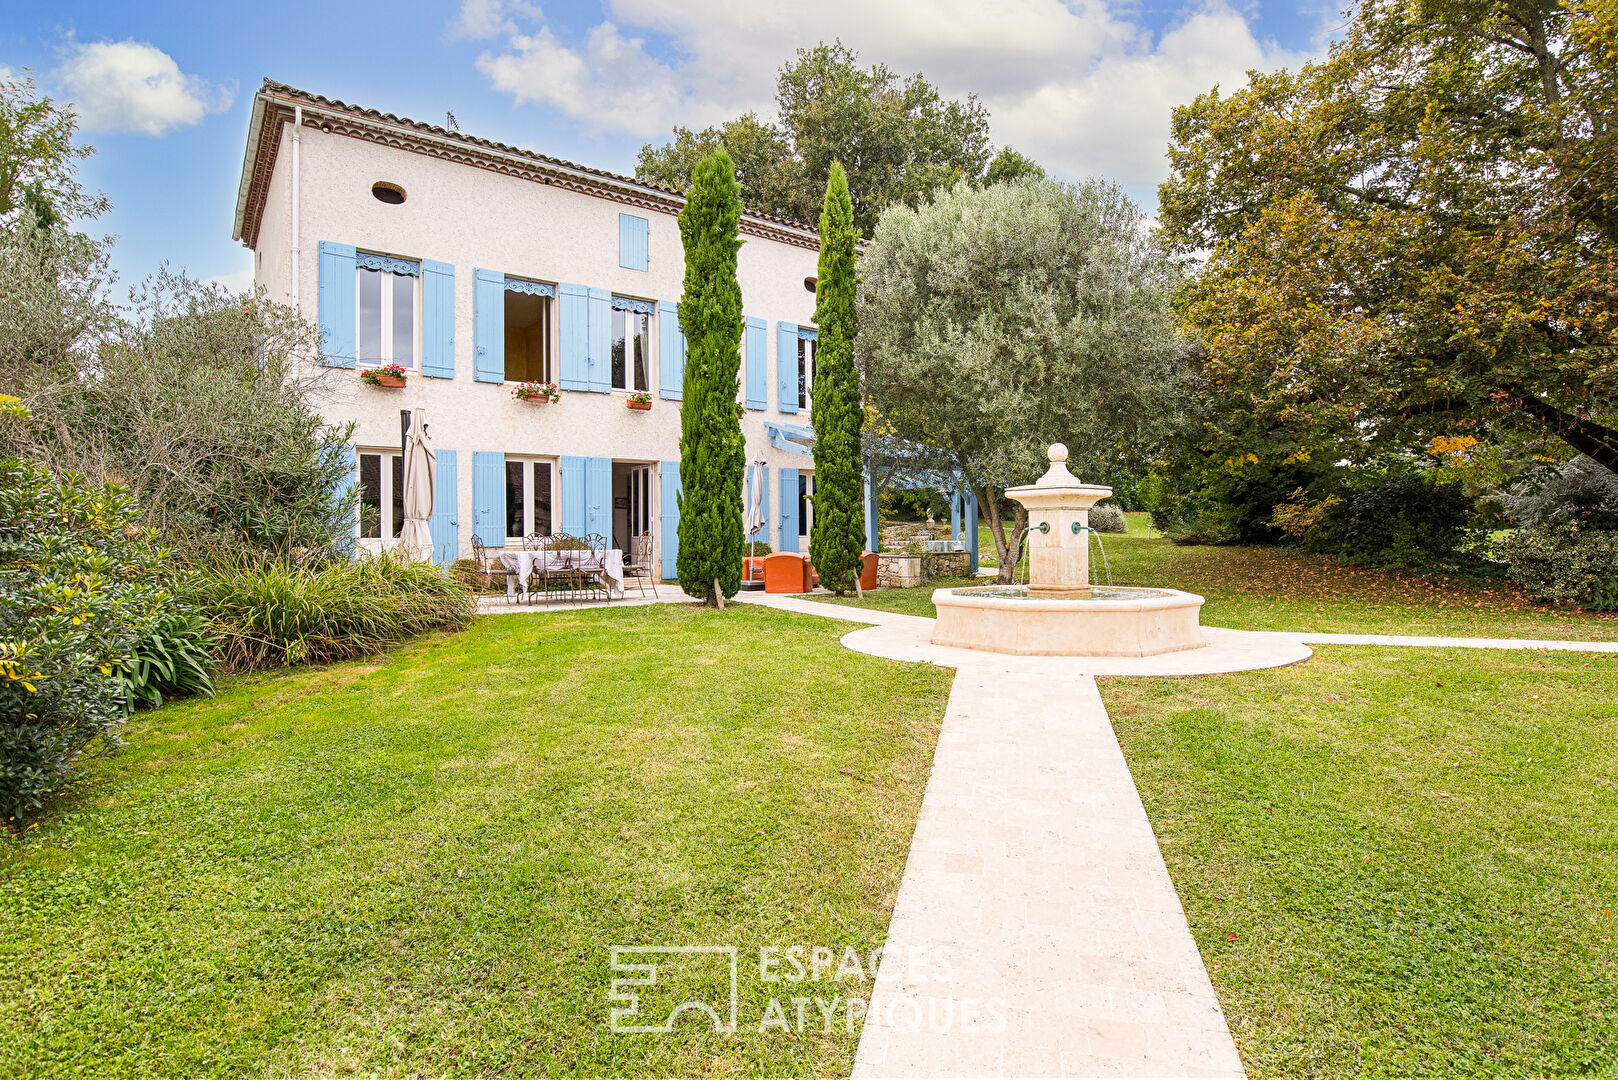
x: 475, y: 218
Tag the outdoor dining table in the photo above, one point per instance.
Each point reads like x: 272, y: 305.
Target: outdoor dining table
x: 608, y: 566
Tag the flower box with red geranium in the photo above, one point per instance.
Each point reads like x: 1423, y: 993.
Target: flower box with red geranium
x: 390, y: 375
x: 537, y: 393
x: 640, y: 400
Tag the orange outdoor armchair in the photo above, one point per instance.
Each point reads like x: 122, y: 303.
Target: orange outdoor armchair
x: 786, y: 572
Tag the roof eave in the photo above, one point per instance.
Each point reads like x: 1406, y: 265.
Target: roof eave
x: 255, y: 125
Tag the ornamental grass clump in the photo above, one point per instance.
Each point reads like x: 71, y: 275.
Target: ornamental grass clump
x: 273, y: 613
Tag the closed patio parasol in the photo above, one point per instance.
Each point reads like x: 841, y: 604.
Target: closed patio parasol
x: 754, y: 523
x: 420, y: 475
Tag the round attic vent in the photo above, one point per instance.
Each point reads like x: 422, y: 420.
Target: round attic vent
x: 392, y: 194
x: 809, y: 284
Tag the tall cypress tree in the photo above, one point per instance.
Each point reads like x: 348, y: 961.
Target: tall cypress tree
x: 712, y: 455
x: 838, y: 536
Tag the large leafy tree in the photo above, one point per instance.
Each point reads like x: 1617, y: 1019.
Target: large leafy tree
x: 837, y: 539
x: 897, y: 137
x: 997, y: 320
x: 712, y: 456
x: 1413, y: 240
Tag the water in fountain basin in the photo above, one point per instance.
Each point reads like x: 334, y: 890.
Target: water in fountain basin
x: 1098, y: 592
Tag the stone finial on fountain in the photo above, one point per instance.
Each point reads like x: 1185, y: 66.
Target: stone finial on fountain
x: 1057, y: 473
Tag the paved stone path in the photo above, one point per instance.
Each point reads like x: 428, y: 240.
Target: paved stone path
x: 1036, y: 931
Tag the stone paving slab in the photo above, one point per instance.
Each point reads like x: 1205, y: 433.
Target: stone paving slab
x: 1035, y: 877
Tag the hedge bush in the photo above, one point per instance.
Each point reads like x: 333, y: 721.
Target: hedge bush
x: 1565, y: 563
x: 1108, y: 519
x: 1403, y: 521
x: 273, y: 613
x: 80, y: 585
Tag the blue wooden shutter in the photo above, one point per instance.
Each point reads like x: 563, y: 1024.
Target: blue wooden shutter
x: 758, y: 364
x: 632, y: 245
x: 489, y: 497
x: 573, y: 309
x: 345, y: 503
x: 872, y: 520
x: 671, y: 352
x: 789, y: 508
x: 786, y: 367
x: 337, y: 304
x: 575, y: 503
x: 669, y: 517
x: 489, y: 327
x: 438, y: 319
x: 600, y: 347
x: 971, y: 529
x: 598, y: 496
x: 445, y: 524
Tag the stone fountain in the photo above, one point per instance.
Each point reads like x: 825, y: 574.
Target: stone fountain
x: 1059, y: 612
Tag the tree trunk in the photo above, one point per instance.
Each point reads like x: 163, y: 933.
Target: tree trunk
x: 1005, y: 549
x: 1595, y: 441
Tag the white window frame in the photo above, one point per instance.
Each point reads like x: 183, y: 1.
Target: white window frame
x: 391, y: 460
x: 529, y: 465
x: 629, y: 351
x: 806, y: 371
x: 409, y: 362
x: 806, y: 504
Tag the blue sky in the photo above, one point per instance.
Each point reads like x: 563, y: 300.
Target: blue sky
x: 165, y: 89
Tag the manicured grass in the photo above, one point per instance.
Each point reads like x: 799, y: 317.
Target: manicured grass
x: 418, y: 866
x: 1396, y: 862
x: 1253, y: 588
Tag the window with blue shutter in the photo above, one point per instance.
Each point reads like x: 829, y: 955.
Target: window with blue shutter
x: 600, y: 341
x: 786, y: 367
x: 336, y: 304
x: 445, y: 524
x: 489, y: 326
x: 669, y: 517
x: 671, y: 352
x: 437, y: 319
x: 575, y: 500
x: 598, y: 497
x: 573, y: 313
x: 632, y: 242
x: 789, y: 509
x: 758, y: 364
x: 489, y: 497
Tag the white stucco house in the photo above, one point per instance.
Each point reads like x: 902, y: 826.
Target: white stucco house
x: 477, y: 266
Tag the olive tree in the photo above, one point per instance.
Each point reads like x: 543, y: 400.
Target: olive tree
x: 997, y: 320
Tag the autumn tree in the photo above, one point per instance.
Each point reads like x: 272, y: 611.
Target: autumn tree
x: 897, y: 136
x: 997, y: 320
x: 1414, y: 239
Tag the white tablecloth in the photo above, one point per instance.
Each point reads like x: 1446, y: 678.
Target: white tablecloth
x: 521, y: 562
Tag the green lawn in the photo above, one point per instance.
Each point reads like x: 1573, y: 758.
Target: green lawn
x: 417, y: 866
x: 1396, y: 862
x: 1254, y: 588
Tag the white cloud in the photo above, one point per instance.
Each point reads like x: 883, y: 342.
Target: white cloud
x: 1082, y: 87
x: 136, y: 87
x: 480, y: 19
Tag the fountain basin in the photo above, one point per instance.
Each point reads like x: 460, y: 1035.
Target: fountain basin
x: 1109, y: 622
